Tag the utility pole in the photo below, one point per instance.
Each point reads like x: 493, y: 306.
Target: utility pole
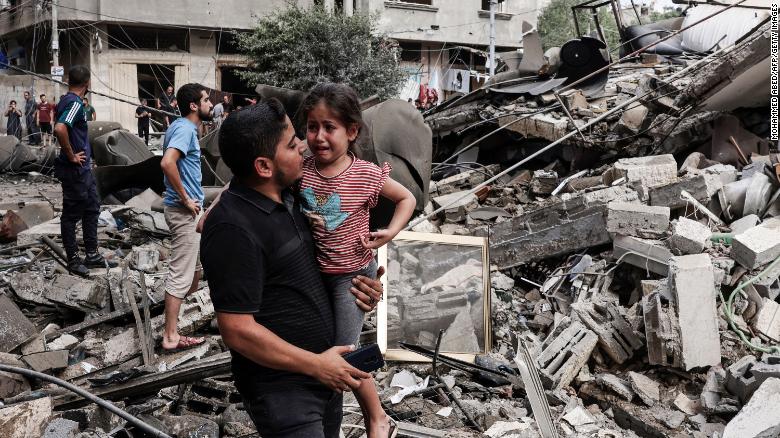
x: 492, y: 56
x: 55, y: 47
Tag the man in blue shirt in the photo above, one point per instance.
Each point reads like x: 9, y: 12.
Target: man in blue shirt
x: 183, y: 199
x: 73, y: 168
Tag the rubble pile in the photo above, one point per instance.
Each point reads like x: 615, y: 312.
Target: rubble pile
x: 634, y: 274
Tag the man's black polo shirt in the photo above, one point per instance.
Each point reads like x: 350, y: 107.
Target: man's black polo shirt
x: 259, y: 258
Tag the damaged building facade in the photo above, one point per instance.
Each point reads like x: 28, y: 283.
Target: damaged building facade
x: 140, y: 56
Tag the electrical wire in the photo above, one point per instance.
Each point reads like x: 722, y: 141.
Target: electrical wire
x: 89, y: 396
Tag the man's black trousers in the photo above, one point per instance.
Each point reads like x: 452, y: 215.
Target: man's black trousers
x: 79, y: 203
x: 143, y: 132
x: 295, y: 411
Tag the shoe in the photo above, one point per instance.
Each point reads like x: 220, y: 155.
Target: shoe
x: 95, y: 260
x: 76, y: 267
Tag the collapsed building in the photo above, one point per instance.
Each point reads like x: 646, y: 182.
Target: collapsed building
x: 632, y: 211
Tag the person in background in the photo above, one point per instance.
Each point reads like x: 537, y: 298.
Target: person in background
x: 14, y: 124
x: 142, y: 114
x: 30, y: 108
x: 73, y: 167
x: 43, y: 118
x: 89, y: 111
x: 165, y: 103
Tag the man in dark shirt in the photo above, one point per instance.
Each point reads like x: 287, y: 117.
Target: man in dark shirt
x: 73, y: 167
x: 272, y: 307
x: 89, y: 111
x: 30, y: 108
x: 142, y: 114
x: 165, y: 103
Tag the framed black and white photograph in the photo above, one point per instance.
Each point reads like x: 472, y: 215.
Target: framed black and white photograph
x: 435, y: 282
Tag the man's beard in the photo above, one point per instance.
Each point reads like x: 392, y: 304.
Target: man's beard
x: 205, y: 117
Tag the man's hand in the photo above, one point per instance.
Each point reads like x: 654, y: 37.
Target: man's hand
x: 335, y: 373
x: 192, y: 206
x: 78, y: 158
x: 377, y: 238
x: 368, y: 291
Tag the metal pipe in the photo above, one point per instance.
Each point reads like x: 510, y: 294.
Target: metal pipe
x: 564, y: 138
x: 93, y: 398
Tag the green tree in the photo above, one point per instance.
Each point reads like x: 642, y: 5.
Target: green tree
x: 297, y: 48
x: 556, y: 24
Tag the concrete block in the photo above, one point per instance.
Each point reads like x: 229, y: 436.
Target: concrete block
x: 661, y: 331
x: 767, y: 322
x: 145, y: 258
x: 616, y: 384
x: 769, y: 284
x: 25, y: 420
x: 15, y: 328
x: 61, y: 428
x: 634, y: 118
x: 740, y: 380
x: 616, y: 337
x: 760, y: 417
x: 47, y: 360
x: 456, y: 207
x: 68, y: 290
x: 758, y: 245
x: 633, y: 219
x: 650, y: 171
x: 689, y: 237
x: 739, y: 226
x: 64, y: 342
x: 701, y: 187
x: 646, y: 388
x: 544, y: 182
x: 652, y: 255
x: 563, y: 357
x: 692, y: 281
x: 12, y: 384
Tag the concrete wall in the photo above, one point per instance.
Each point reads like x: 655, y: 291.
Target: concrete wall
x: 13, y: 88
x: 459, y: 22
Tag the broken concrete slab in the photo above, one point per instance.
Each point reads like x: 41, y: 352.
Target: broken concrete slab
x: 16, y: 328
x: 767, y: 321
x: 64, y: 342
x: 758, y: 245
x: 689, y: 237
x: 649, y: 171
x: 616, y: 384
x: 33, y: 235
x: 688, y: 405
x: 740, y: 379
x: 760, y: 417
x: 692, y: 280
x: 458, y: 204
x: 25, y: 420
x: 646, y: 388
x: 648, y: 254
x: 61, y: 428
x: 12, y: 384
x: 47, y: 360
x: 743, y: 224
x: 564, y: 355
x: 634, y: 219
x: 68, y: 290
x: 145, y: 200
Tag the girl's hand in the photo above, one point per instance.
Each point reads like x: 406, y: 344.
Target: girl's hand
x: 377, y: 238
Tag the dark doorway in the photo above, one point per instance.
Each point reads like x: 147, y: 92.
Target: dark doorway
x: 231, y: 83
x: 153, y: 79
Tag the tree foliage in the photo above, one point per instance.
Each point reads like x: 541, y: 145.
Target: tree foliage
x: 556, y: 24
x: 297, y: 48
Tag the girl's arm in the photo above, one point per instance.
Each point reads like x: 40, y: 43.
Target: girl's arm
x: 404, y: 208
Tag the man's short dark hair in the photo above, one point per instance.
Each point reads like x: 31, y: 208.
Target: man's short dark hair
x: 249, y: 133
x: 13, y: 101
x: 187, y: 94
x: 78, y: 75
x: 42, y: 95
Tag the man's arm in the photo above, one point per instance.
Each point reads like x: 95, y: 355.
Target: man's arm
x: 168, y: 165
x: 241, y: 333
x: 61, y: 132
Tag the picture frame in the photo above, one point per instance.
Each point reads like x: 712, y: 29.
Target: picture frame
x: 435, y: 282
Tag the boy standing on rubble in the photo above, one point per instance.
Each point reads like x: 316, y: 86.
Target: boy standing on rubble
x: 73, y: 168
x: 183, y: 199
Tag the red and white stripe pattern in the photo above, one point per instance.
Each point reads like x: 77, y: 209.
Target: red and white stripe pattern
x: 340, y: 251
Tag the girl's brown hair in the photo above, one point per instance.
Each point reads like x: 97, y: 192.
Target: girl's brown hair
x: 342, y: 100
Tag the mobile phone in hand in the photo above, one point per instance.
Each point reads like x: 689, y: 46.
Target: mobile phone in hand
x: 367, y: 358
